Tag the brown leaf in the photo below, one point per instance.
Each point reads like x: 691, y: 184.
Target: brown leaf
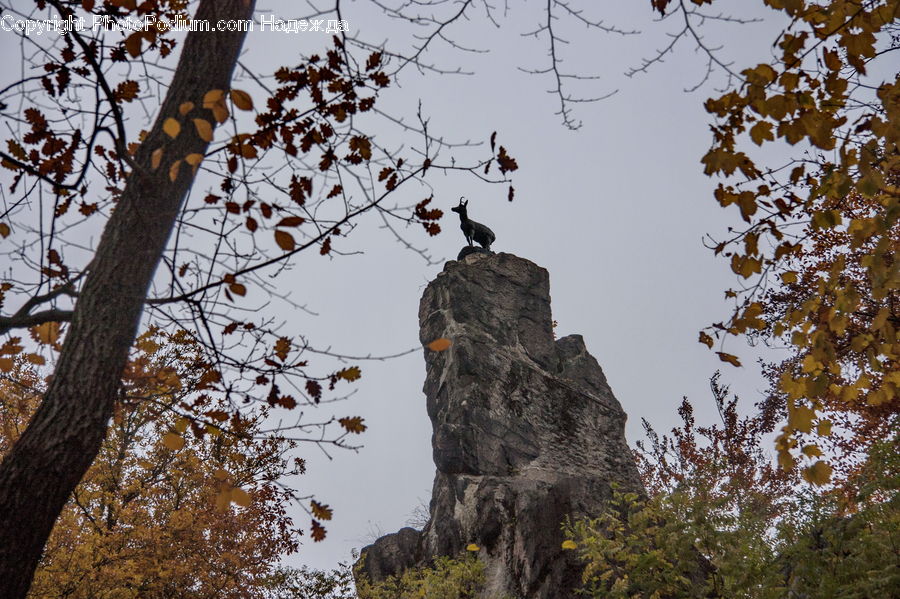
x: 318, y: 531
x: 285, y: 240
x: 282, y: 347
x: 320, y: 511
x: 733, y: 360
x: 353, y: 424
x: 242, y: 99
x: 291, y: 221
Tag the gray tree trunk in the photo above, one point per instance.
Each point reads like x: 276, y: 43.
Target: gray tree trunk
x: 61, y: 441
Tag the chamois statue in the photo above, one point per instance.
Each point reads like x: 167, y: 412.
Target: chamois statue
x: 472, y: 230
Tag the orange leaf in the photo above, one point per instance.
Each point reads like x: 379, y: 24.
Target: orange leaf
x: 171, y: 127
x: 439, y: 344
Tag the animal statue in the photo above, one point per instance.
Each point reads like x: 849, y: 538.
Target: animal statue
x: 472, y: 230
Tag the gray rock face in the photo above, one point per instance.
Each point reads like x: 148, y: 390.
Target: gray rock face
x: 526, y: 432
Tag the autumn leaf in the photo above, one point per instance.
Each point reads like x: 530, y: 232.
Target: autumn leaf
x: 240, y: 497
x: 46, y: 333
x: 314, y: 388
x: 733, y: 360
x: 569, y: 544
x: 706, y: 339
x: 818, y: 474
x: 204, y: 129
x: 156, y: 158
x: 349, y: 374
x: 282, y: 347
x: 291, y: 221
x: 133, y: 43
x: 320, y: 511
x: 126, y: 91
x: 284, y: 240
x: 241, y: 99
x: 36, y: 359
x: 472, y: 547
x: 173, y: 441
x: 185, y: 107
x: 353, y: 424
x: 440, y: 344
x: 171, y: 127
x: 506, y: 162
x: 318, y: 531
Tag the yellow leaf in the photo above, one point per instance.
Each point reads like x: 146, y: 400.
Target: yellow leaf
x: 241, y: 99
x: 156, y: 158
x: 173, y: 441
x: 472, y: 547
x: 800, y: 418
x: 171, y: 127
x: 569, y: 544
x: 789, y: 277
x: 204, y: 129
x: 173, y: 170
x: 185, y: 108
x: 439, y: 344
x: 818, y: 474
x: 824, y: 428
x: 811, y: 451
x: 240, y: 497
x: 194, y: 159
x: 284, y: 240
x: 349, y: 374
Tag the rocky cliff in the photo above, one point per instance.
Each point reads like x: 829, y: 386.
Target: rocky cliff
x: 526, y: 432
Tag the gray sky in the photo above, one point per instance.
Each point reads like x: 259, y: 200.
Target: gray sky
x: 615, y: 211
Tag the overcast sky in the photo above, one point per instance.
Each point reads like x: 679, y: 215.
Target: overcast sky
x: 616, y: 211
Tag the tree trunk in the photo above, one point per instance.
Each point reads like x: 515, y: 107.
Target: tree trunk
x: 39, y: 474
